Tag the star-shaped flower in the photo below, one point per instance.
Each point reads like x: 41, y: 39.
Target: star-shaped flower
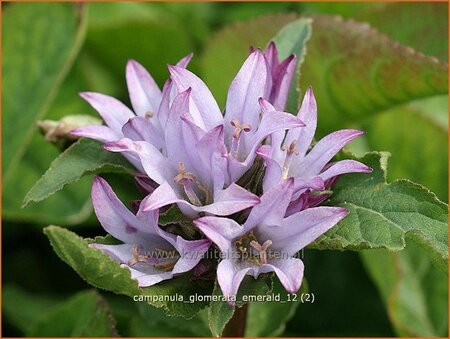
x: 150, y: 253
x: 268, y: 241
x: 287, y: 154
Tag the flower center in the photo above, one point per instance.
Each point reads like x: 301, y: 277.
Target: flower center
x: 238, y: 129
x: 160, y: 259
x: 186, y: 179
x: 149, y: 114
x: 290, y: 150
x: 251, y: 251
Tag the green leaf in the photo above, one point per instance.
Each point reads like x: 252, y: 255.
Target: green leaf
x: 219, y: 313
x: 83, y: 158
x: 23, y: 309
x: 428, y: 35
x: 414, y: 292
x: 33, y: 69
x: 292, y: 39
x: 84, y: 315
x: 156, y: 320
x: 362, y: 79
x: 269, y: 318
x: 422, y: 139
x: 381, y: 214
x: 138, y: 31
x: 174, y: 295
x: 357, y: 72
x: 227, y: 50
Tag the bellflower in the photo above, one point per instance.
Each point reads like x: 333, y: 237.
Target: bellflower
x: 202, y: 148
x: 267, y: 241
x: 150, y: 107
x: 287, y: 155
x: 150, y: 253
x: 191, y: 170
x: 281, y: 73
x: 244, y: 125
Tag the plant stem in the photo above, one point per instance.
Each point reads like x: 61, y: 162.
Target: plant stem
x: 236, y: 326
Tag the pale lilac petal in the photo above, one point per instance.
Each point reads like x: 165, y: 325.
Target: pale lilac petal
x: 145, y: 95
x: 203, y: 106
x: 212, y: 142
x: 272, y: 122
x: 271, y: 209
x: 288, y: 270
x: 141, y: 129
x: 322, y: 153
x: 113, y: 112
x: 282, y: 79
x: 149, y: 278
x: 272, y: 175
x: 153, y: 162
x: 164, y: 107
x: 101, y: 133
x: 191, y: 253
x: 230, y: 277
x: 344, y: 166
x: 196, y: 131
x: 315, y: 183
x: 116, y: 219
x: 228, y: 201
x: 237, y: 168
x: 175, y: 142
x: 162, y: 196
x: 221, y: 231
x: 184, y: 62
x: 308, y: 114
x: 300, y: 229
x: 251, y: 83
x: 231, y: 200
x: 271, y: 54
x: 121, y: 253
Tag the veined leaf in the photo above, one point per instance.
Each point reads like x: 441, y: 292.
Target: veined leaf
x: 382, y: 214
x: 33, y: 69
x: 34, y: 65
x: 84, y: 315
x: 82, y: 158
x: 219, y: 313
x: 174, y: 295
x: 357, y: 72
x: 414, y: 292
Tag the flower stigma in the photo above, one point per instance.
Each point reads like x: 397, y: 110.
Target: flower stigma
x: 185, y: 179
x: 251, y: 251
x: 164, y: 260
x: 238, y: 129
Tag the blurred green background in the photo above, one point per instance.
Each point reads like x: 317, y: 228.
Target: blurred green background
x: 393, y: 85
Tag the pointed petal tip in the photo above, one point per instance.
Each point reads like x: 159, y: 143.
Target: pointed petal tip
x: 174, y: 69
x: 86, y: 95
x: 132, y: 63
x: 342, y: 211
x: 98, y: 180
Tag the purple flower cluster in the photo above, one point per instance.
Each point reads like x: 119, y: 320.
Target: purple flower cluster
x: 190, y: 154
